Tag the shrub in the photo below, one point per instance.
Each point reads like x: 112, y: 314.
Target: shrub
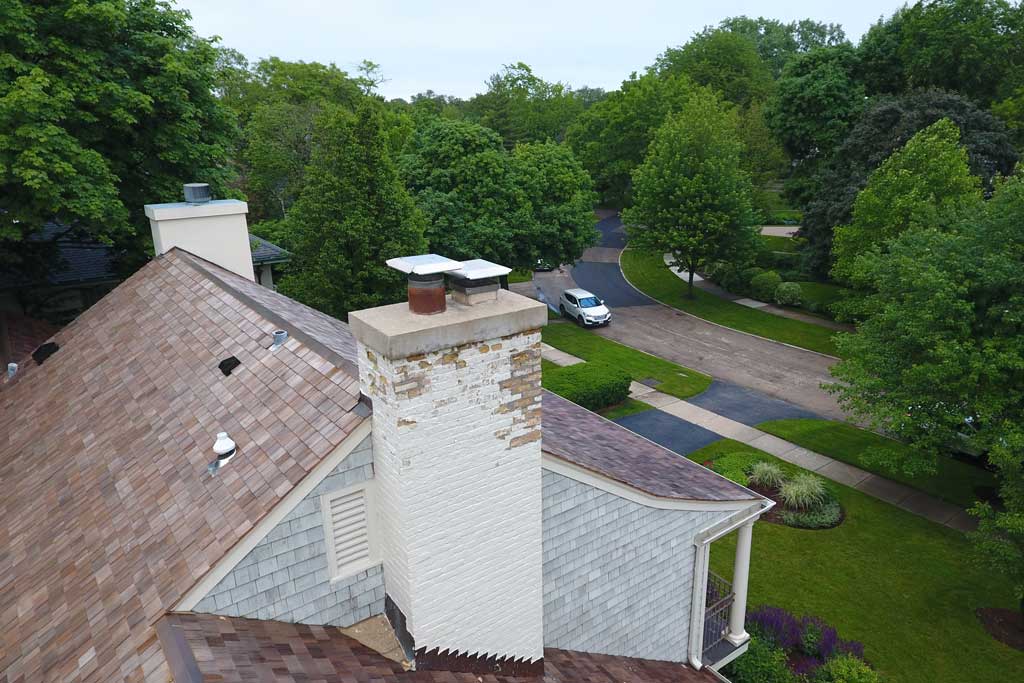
x: 775, y: 625
x: 825, y: 516
x: 789, y: 294
x: 730, y: 277
x: 713, y: 270
x: 735, y: 466
x: 846, y: 669
x: 763, y: 285
x: 766, y: 474
x: 592, y: 385
x: 746, y: 276
x: 763, y: 662
x: 803, y: 492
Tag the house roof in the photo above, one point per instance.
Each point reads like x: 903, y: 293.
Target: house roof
x: 83, y: 260
x: 211, y: 648
x: 21, y: 335
x: 590, y: 441
x: 109, y: 514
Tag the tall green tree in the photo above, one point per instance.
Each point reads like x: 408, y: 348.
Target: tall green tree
x: 886, y: 125
x: 940, y: 361
x: 523, y: 107
x: 104, y: 107
x: 926, y: 181
x: 352, y: 215
x: 562, y: 196
x: 692, y: 197
x: 777, y: 42
x: 610, y: 138
x: 723, y: 60
x: 879, y: 63
x: 462, y: 178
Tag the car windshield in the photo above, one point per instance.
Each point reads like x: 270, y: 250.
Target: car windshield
x: 589, y: 302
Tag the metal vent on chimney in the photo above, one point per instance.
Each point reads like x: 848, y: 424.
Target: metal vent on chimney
x: 426, y: 280
x: 197, y: 193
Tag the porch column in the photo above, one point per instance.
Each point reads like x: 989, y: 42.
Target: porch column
x: 741, y: 573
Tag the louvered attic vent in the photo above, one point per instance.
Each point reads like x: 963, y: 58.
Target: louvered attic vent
x: 347, y: 517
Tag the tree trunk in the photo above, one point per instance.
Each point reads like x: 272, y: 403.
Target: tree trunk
x: 689, y: 290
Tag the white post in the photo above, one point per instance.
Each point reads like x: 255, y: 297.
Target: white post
x: 740, y: 575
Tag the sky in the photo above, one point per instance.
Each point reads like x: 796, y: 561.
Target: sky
x: 451, y: 47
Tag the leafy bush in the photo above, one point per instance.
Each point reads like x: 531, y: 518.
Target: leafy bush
x: 713, y: 270
x: 767, y: 474
x: 789, y: 294
x: 778, y: 259
x: 812, y: 640
x: 763, y: 285
x: 825, y: 516
x: 746, y: 276
x: 592, y: 385
x: 763, y: 662
x: 730, y: 277
x: 735, y: 466
x: 803, y: 492
x: 846, y: 668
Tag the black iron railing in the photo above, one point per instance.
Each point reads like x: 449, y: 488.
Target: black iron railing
x: 716, y: 611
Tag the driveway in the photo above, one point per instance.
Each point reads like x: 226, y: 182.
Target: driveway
x: 780, y: 371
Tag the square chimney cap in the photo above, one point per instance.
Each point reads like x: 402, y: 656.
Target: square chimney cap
x: 424, y: 264
x: 479, y: 269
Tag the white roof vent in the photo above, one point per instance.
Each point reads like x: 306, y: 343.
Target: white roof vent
x: 225, y: 448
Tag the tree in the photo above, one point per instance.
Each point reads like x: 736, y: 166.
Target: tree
x: 940, y: 361
x: 370, y: 76
x: 611, y: 137
x: 278, y: 147
x: 588, y: 96
x: 692, y: 198
x: 523, y: 107
x: 89, y: 133
x: 817, y: 100
x: 462, y: 179
x: 921, y: 184
x: 562, y: 196
x: 352, y: 215
x: 887, y: 124
x: 725, y: 61
x: 879, y: 64
x: 763, y: 156
x: 778, y: 42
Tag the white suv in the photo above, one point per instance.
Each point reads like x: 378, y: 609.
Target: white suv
x: 583, y: 307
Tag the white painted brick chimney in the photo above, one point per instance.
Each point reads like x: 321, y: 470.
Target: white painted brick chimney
x: 456, y: 434
x: 215, y: 231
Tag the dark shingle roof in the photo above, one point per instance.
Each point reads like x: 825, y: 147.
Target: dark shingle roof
x: 583, y: 438
x: 205, y: 647
x: 267, y: 252
x: 108, y: 515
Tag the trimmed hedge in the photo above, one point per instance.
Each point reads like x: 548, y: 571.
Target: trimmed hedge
x: 763, y: 662
x: 592, y: 385
x: 789, y: 294
x: 763, y: 286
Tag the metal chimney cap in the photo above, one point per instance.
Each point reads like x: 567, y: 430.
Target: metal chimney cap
x: 197, y: 193
x: 423, y: 264
x: 479, y: 269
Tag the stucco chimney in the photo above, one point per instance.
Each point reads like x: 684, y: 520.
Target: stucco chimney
x: 457, y: 459
x: 215, y: 230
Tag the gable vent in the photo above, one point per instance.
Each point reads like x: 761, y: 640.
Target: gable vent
x: 347, y: 528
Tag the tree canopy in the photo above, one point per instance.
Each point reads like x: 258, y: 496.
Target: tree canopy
x: 351, y: 216
x: 89, y: 134
x: 923, y: 183
x: 777, y: 42
x: 691, y: 196
x: 725, y: 61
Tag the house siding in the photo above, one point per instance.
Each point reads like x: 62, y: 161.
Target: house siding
x: 618, y: 575
x: 286, y: 577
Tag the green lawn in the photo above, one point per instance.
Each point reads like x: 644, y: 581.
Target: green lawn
x: 778, y: 243
x: 900, y: 584
x: 520, y: 276
x: 823, y: 294
x: 649, y: 273
x: 675, y: 379
x: 953, y: 480
x: 628, y: 407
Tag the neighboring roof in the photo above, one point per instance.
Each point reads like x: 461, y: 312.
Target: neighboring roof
x: 83, y: 260
x: 205, y: 647
x: 108, y: 515
x: 20, y: 336
x: 583, y: 438
x: 264, y: 252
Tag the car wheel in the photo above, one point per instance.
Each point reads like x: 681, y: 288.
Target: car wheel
x: 561, y: 311
x: 580, y: 322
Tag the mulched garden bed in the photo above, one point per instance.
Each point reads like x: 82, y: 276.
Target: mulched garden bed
x: 1005, y: 625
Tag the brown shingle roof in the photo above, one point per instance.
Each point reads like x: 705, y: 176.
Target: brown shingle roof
x: 583, y: 438
x: 108, y: 515
x: 233, y: 650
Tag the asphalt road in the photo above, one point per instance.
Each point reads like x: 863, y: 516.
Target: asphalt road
x: 779, y: 371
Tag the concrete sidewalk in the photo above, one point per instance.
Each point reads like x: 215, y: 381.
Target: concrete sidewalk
x: 900, y: 495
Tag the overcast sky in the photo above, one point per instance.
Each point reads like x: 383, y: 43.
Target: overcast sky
x: 452, y: 47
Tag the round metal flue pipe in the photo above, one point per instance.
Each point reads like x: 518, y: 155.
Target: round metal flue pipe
x: 197, y: 193
x: 426, y: 294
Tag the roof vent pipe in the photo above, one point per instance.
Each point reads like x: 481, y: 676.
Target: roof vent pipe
x: 280, y: 337
x: 197, y: 193
x: 426, y: 281
x: 12, y: 370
